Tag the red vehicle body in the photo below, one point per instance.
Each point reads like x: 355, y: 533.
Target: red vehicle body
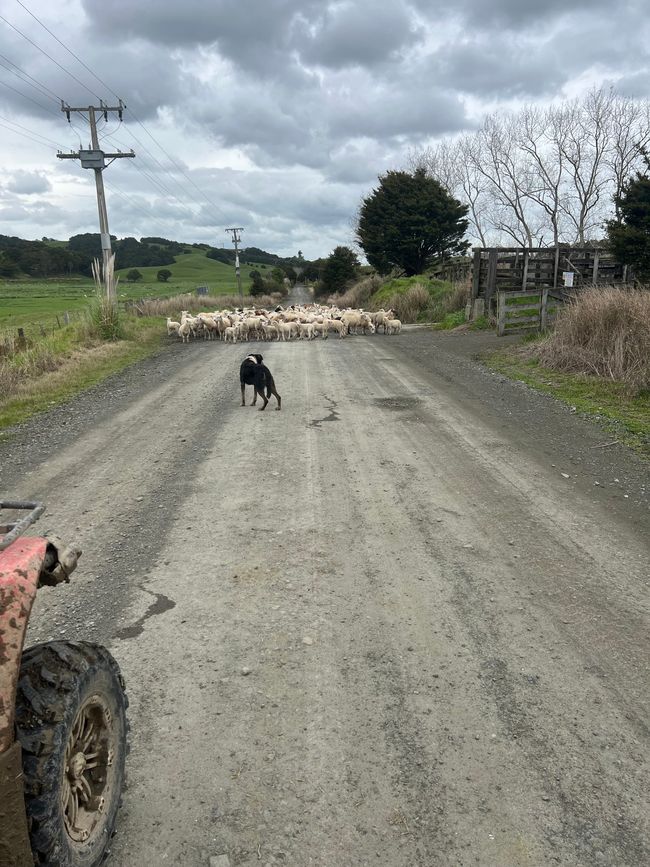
x: 62, y: 718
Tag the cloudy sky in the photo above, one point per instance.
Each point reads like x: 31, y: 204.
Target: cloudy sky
x: 275, y: 115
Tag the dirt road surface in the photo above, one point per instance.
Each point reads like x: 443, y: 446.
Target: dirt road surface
x: 402, y: 622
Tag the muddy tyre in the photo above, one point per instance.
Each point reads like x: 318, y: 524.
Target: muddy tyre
x: 71, y: 723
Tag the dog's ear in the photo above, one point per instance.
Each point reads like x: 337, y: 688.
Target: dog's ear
x: 259, y: 358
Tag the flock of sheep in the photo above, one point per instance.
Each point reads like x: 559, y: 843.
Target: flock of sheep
x: 299, y: 322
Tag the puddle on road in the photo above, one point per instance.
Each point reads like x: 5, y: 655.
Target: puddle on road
x: 333, y: 416
x: 398, y: 403
x: 161, y: 604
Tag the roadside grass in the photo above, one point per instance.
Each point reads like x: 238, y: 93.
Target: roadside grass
x: 623, y: 416
x: 68, y: 361
x: 424, y: 299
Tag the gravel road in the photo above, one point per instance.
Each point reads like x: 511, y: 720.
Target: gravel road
x: 402, y: 622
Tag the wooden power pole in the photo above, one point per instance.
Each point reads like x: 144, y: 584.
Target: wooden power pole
x: 236, y: 238
x: 95, y: 158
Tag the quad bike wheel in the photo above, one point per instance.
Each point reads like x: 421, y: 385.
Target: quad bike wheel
x: 71, y: 723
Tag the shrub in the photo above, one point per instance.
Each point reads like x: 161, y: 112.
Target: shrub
x: 603, y: 331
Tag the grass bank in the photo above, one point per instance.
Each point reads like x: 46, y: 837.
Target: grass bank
x: 420, y: 298
x: 55, y: 369
x: 624, y: 417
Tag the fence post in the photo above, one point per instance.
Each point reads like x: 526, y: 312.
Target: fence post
x: 476, y: 273
x: 66, y: 318
x: 543, y: 309
x: 501, y: 313
x: 491, y: 279
x: 594, y: 273
x: 557, y: 265
x: 524, y: 278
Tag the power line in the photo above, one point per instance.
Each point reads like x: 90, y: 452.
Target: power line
x: 103, y: 83
x: 112, y: 188
x: 24, y: 95
x: 178, y: 168
x: 30, y: 137
x: 43, y: 51
x: 185, y: 175
x: 30, y: 131
x: 70, y: 51
x: 162, y: 168
x: 42, y: 88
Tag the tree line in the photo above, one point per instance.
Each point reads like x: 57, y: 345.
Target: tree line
x: 543, y: 176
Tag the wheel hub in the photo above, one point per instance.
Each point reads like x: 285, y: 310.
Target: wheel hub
x: 87, y: 775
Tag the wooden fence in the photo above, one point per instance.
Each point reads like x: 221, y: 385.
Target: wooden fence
x: 510, y: 269
x: 525, y: 310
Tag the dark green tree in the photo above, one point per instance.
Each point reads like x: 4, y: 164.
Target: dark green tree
x: 258, y: 287
x: 133, y: 275
x: 339, y: 269
x: 629, y: 234
x: 410, y: 221
x: 163, y: 275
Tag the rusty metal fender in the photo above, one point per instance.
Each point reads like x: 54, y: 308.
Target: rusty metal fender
x: 20, y: 568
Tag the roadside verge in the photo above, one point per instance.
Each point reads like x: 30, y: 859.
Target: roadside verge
x: 625, y: 417
x: 75, y: 367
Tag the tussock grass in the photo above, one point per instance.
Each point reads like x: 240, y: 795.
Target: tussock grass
x: 359, y: 294
x: 604, y: 332
x: 103, y: 319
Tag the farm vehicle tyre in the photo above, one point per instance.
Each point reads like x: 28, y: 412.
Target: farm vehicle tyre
x: 72, y: 726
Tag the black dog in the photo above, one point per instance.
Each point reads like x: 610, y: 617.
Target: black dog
x: 253, y: 372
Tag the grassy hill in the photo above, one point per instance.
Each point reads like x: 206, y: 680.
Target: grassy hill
x: 190, y: 270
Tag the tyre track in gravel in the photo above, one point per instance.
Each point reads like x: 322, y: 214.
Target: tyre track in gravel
x: 114, y: 486
x: 358, y: 667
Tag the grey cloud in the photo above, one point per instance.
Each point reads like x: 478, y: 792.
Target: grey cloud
x: 357, y: 34
x: 28, y: 183
x: 500, y: 66
x: 514, y: 14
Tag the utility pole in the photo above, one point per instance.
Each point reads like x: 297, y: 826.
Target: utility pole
x: 95, y: 158
x: 236, y: 238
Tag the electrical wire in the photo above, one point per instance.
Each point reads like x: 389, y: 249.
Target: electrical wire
x: 31, y: 132
x: 179, y: 169
x: 42, y: 50
x: 70, y: 51
x: 42, y: 88
x: 129, y: 111
x: 160, y: 166
x: 111, y: 188
x: 24, y: 135
x: 24, y: 95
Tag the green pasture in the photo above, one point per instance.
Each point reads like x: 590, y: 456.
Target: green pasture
x: 190, y: 270
x: 32, y: 303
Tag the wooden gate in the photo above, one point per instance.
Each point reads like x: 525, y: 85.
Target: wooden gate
x: 525, y: 310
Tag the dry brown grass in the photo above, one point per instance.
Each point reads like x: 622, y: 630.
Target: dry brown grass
x: 359, y: 294
x: 408, y: 305
x: 195, y: 303
x: 604, y: 331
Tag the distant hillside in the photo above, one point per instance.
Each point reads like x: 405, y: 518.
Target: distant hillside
x: 50, y: 258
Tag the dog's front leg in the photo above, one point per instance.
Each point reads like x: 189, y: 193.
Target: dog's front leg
x: 243, y: 394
